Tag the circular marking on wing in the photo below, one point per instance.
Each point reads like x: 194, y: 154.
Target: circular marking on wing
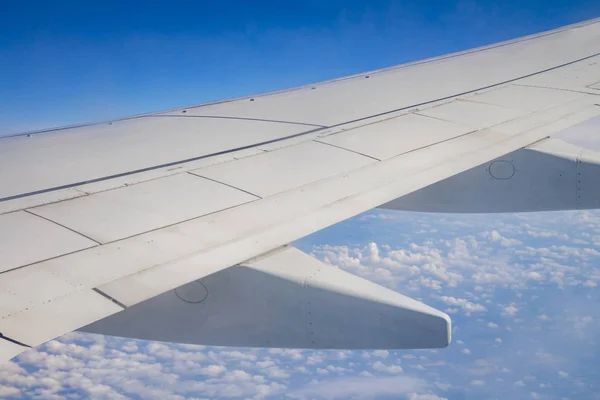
x: 193, y: 292
x: 502, y: 169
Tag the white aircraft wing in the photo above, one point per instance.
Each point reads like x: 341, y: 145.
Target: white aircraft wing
x: 131, y: 227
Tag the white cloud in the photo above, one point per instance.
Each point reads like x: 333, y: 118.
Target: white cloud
x: 294, y: 354
x: 535, y: 275
x: 265, y: 364
x: 381, y: 353
x: 239, y: 376
x: 276, y: 372
x: 390, y: 369
x: 464, y: 303
x: 510, y: 310
x: 315, y: 359
x: 360, y: 387
x: 212, y: 370
x: 495, y: 236
x: 425, y: 396
x: 7, y: 391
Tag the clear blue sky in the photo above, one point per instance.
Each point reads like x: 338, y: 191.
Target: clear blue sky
x: 65, y: 62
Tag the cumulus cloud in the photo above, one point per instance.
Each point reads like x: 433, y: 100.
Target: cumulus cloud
x: 212, y: 370
x: 510, y: 310
x: 390, y: 369
x: 495, y: 236
x: 464, y: 303
x: 416, y: 396
x: 361, y: 388
x: 381, y: 353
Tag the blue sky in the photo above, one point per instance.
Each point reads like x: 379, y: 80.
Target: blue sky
x: 66, y: 62
x: 522, y: 289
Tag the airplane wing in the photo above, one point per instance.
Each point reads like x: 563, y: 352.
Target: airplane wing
x: 174, y: 225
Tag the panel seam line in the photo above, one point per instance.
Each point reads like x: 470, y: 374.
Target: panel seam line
x: 14, y: 341
x: 345, y: 149
x: 556, y: 88
x: 226, y: 184
x: 108, y: 297
x: 236, y: 118
x: 62, y: 226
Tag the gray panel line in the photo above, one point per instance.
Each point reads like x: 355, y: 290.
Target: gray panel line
x: 226, y: 184
x: 418, y: 148
x: 117, y: 302
x: 14, y: 341
x: 62, y: 226
x: 276, y: 121
x: 574, y: 90
x: 45, y: 259
x: 345, y: 149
